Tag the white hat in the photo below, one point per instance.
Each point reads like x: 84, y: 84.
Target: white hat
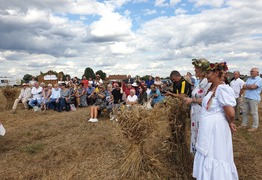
x: 158, y: 83
x: 134, y: 84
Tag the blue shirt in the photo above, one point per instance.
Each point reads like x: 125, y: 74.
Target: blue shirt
x: 55, y: 93
x: 157, y: 99
x: 254, y: 94
x: 89, y: 90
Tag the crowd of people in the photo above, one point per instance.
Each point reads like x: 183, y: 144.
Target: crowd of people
x: 215, y: 104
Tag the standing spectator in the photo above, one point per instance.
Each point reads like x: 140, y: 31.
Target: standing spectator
x: 150, y: 81
x: 23, y: 97
x: 32, y: 82
x: 198, y: 94
x: 180, y: 86
x: 84, y: 81
x: 90, y: 81
x: 61, y: 80
x: 117, y: 99
x: 37, y: 95
x: 237, y: 85
x: 98, y: 81
x: 253, y: 87
x: 214, y: 157
x: 129, y: 79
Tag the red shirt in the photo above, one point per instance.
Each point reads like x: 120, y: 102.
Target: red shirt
x: 85, y: 82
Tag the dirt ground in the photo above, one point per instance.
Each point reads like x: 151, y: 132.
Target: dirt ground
x: 52, y: 145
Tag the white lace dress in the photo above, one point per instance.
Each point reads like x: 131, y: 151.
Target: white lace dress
x: 198, y: 93
x: 214, y: 158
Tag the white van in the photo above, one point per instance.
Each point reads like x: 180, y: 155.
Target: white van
x: 9, y: 81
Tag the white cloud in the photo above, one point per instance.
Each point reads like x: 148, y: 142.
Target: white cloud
x: 174, y: 2
x: 111, y: 24
x: 212, y: 3
x: 45, y: 36
x: 150, y: 11
x: 161, y: 3
x: 180, y: 11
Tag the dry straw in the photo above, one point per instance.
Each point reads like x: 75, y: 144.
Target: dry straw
x: 157, y: 143
x: 10, y: 93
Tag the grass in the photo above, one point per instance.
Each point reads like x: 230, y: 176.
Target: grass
x: 33, y: 148
x: 51, y: 145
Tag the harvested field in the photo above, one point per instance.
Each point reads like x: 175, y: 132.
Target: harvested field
x: 52, y: 145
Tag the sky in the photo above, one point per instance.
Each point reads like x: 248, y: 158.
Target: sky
x: 136, y: 37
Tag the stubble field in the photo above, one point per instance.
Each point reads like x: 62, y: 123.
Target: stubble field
x: 52, y: 145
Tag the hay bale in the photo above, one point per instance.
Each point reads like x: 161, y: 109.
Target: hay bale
x: 157, y: 141
x: 10, y: 93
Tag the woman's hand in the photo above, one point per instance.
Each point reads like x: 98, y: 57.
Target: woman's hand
x: 188, y: 100
x: 233, y: 127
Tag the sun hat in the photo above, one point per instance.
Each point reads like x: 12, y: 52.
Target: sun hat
x: 134, y: 84
x: 25, y: 84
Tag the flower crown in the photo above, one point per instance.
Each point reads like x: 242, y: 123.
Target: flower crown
x: 218, y: 66
x: 201, y: 63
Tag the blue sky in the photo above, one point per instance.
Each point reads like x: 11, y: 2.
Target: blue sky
x: 136, y: 37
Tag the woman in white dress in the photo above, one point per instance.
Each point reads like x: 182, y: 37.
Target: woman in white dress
x: 198, y: 93
x: 214, y: 158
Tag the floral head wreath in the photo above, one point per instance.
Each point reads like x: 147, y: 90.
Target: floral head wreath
x: 201, y: 63
x: 218, y: 66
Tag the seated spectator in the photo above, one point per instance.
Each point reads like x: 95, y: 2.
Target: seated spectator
x: 126, y: 89
x: 155, y: 95
x: 142, y: 97
x: 89, y: 90
x: 108, y: 93
x: 164, y: 88
x: 98, y: 105
x: 46, y: 94
x: 132, y: 98
x: 54, y: 98
x: 63, y: 102
x: 24, y: 96
x: 37, y: 95
x: 72, y: 91
x: 81, y: 96
x: 148, y: 90
x: 90, y: 81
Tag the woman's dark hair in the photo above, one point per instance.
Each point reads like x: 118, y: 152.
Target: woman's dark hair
x: 143, y: 88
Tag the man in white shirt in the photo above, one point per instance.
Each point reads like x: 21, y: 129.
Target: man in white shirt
x: 237, y: 85
x: 37, y: 95
x: 54, y: 98
x: 24, y: 96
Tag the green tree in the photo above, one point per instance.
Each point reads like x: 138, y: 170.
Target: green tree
x: 27, y: 77
x: 102, y: 74
x: 89, y: 73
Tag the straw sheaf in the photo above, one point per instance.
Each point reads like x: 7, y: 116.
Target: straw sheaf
x: 157, y: 141
x: 10, y: 94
